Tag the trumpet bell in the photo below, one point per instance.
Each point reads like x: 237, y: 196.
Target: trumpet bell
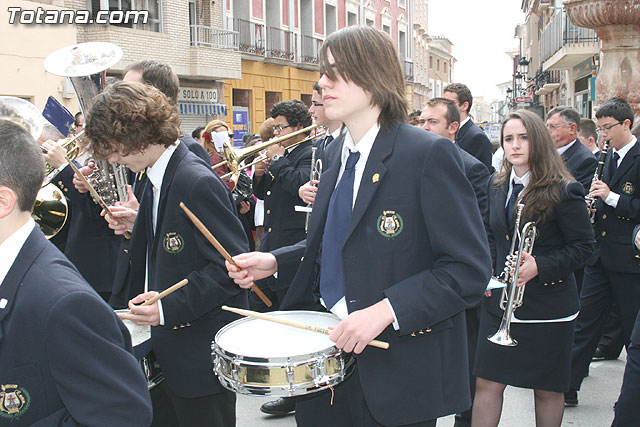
x: 503, y: 338
x: 22, y: 113
x: 51, y: 210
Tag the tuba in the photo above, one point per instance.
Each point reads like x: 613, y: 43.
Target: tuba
x: 85, y: 66
x: 513, y: 295
x: 51, y: 209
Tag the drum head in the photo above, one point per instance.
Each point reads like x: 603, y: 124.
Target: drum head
x: 139, y: 333
x: 260, y: 338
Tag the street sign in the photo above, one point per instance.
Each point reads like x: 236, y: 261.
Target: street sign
x: 523, y: 104
x: 520, y: 99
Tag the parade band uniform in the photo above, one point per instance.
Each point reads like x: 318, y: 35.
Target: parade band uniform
x: 413, y: 209
x: 474, y: 141
x: 564, y: 241
x: 614, y: 277
x: 64, y: 355
x: 192, y: 315
x: 581, y: 163
x: 282, y: 224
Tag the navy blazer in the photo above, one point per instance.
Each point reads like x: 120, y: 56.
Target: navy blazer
x: 415, y: 237
x: 474, y: 141
x: 615, y: 225
x: 581, y: 163
x: 478, y: 175
x: 192, y: 314
x: 563, y: 244
x: 63, y: 351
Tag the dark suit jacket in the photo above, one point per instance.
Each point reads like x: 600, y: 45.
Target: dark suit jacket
x: 192, y: 314
x: 581, y: 163
x: 63, y: 348
x: 421, y: 266
x: 478, y: 175
x: 475, y: 142
x: 196, y: 148
x: 563, y: 244
x: 615, y: 225
x: 91, y: 245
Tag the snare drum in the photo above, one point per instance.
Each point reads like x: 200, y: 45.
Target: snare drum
x: 141, y: 342
x: 262, y: 358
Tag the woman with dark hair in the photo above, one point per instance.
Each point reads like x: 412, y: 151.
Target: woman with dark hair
x: 532, y: 174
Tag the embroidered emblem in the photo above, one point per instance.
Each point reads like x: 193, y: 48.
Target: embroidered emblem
x: 14, y: 401
x: 173, y: 243
x: 627, y: 188
x: 375, y: 178
x: 390, y: 224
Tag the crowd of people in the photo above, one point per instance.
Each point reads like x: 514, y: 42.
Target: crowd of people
x: 408, y: 230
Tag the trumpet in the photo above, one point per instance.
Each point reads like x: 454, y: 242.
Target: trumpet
x: 513, y: 295
x: 72, y: 150
x: 316, y: 171
x: 597, y: 176
x: 234, y: 157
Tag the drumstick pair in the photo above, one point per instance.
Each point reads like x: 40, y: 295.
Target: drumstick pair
x: 374, y: 343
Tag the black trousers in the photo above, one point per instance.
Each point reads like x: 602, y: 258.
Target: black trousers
x: 627, y: 413
x: 601, y: 288
x: 349, y: 408
x: 472, y: 317
x: 214, y: 410
x: 612, y: 339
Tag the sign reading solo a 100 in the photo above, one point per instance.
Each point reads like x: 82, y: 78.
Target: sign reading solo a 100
x: 197, y: 94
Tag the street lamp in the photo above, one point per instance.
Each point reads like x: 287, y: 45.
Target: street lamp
x: 524, y: 65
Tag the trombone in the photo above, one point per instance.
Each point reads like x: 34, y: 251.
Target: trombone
x: 236, y: 156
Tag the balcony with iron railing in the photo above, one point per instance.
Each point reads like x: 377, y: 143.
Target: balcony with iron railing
x: 407, y: 68
x: 547, y: 82
x: 252, y: 36
x: 213, y: 37
x: 281, y: 44
x: 564, y: 45
x: 310, y: 49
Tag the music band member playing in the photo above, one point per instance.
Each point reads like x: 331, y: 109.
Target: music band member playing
x: 533, y: 174
x: 136, y: 125
x: 383, y: 249
x: 65, y: 357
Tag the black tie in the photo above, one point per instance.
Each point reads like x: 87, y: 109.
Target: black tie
x: 327, y: 141
x: 147, y: 201
x: 515, y: 192
x: 613, y: 167
x: 335, y: 232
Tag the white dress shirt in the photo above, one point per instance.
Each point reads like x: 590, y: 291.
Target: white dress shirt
x: 11, y: 247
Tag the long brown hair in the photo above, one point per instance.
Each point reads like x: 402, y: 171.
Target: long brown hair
x: 545, y: 165
x: 207, y: 139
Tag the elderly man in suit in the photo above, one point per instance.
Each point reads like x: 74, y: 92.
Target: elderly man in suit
x: 469, y: 137
x: 383, y: 250
x: 166, y: 247
x: 65, y: 357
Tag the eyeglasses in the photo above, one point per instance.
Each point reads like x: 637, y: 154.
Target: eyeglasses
x: 316, y: 104
x: 556, y: 126
x: 607, y: 128
x: 279, y: 128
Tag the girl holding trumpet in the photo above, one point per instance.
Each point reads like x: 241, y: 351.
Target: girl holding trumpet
x: 532, y: 174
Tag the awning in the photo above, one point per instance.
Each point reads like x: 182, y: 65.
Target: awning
x: 202, y: 108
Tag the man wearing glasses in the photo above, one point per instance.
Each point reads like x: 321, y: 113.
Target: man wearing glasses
x: 563, y: 124
x: 614, y: 278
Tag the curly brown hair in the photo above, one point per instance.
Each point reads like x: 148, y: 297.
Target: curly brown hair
x: 127, y: 117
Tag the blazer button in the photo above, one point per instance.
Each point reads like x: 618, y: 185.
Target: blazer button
x: 268, y: 211
x: 301, y: 259
x: 507, y: 237
x: 413, y: 334
x: 269, y: 193
x: 59, y: 182
x: 126, y: 251
x: 269, y: 230
x: 604, y: 216
x: 604, y: 233
x: 428, y: 330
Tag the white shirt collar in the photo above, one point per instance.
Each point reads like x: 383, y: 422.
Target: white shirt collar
x: 156, y: 172
x: 462, y: 123
x: 364, y: 146
x: 11, y: 247
x: 336, y: 133
x: 524, y: 179
x: 624, y: 150
x: 566, y: 147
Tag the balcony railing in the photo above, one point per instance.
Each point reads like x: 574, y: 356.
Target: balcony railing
x: 408, y: 69
x: 252, y: 36
x: 281, y: 44
x: 560, y: 32
x: 310, y: 52
x: 213, y: 37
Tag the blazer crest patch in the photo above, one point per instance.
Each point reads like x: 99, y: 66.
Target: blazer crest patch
x: 390, y: 224
x: 627, y: 188
x: 14, y: 401
x: 173, y: 243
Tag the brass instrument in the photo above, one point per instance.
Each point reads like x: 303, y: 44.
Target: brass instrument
x: 513, y: 295
x: 234, y: 157
x: 316, y: 171
x: 85, y: 65
x: 597, y: 176
x: 23, y: 113
x: 72, y: 150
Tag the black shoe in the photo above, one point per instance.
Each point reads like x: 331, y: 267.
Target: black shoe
x: 600, y: 355
x: 571, y: 398
x: 282, y: 406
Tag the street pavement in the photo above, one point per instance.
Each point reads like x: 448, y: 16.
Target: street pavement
x: 599, y: 392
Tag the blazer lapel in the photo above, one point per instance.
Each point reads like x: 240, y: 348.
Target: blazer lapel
x: 463, y: 130
x: 626, y: 164
x: 382, y: 148
x: 500, y: 199
x: 12, y: 281
x: 327, y: 184
x: 569, y: 152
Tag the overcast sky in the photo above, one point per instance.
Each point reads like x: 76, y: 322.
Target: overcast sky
x: 481, y: 33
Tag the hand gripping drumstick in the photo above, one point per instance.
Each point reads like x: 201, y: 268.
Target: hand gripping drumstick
x: 200, y: 226
x: 374, y: 343
x: 94, y: 193
x: 164, y: 293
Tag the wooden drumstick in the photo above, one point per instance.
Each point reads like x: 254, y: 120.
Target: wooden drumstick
x: 164, y: 293
x: 374, y: 343
x: 200, y: 226
x: 94, y: 193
